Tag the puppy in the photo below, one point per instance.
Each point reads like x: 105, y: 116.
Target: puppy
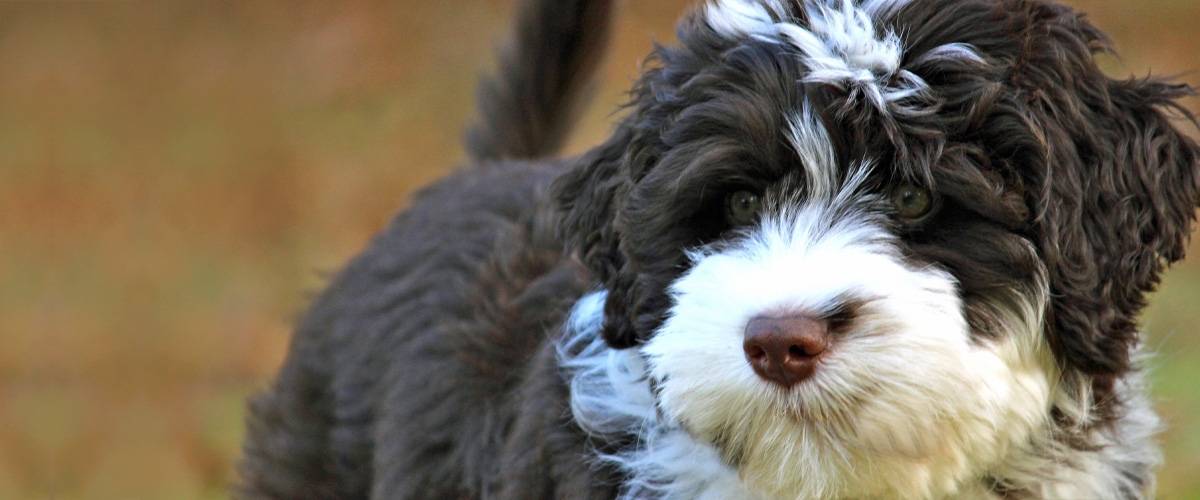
x: 835, y: 249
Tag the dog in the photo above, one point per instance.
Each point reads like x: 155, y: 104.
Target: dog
x: 833, y: 249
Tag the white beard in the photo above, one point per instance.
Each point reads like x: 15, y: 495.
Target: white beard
x: 611, y: 397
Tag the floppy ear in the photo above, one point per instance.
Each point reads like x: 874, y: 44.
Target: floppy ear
x: 589, y: 196
x: 594, y: 195
x: 1117, y: 204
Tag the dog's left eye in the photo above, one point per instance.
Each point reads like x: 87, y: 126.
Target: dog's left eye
x: 911, y: 201
x: 741, y: 208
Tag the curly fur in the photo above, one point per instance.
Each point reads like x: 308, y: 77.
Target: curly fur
x: 571, y: 328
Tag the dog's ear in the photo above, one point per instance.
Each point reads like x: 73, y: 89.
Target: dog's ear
x: 1117, y: 203
x: 589, y: 196
x: 594, y: 195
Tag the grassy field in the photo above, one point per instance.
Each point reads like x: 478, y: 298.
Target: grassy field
x: 176, y: 179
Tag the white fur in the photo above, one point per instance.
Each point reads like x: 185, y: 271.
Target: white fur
x: 907, y: 403
x: 812, y: 145
x: 1124, y: 453
x: 1126, y: 448
x: 842, y: 44
x: 611, y: 397
x: 882, y: 8
x: 733, y: 18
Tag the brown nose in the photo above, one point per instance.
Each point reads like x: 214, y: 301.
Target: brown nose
x: 785, y: 350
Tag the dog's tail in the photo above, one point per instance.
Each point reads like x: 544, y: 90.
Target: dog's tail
x: 527, y: 107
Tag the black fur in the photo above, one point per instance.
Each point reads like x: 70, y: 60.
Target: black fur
x: 426, y: 369
x: 1038, y: 155
x: 526, y: 110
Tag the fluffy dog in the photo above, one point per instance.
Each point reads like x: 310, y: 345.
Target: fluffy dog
x: 835, y: 249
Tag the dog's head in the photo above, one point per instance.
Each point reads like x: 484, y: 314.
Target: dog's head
x: 870, y: 246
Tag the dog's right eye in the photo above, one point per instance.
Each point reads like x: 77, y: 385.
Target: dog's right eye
x: 912, y: 202
x: 741, y: 208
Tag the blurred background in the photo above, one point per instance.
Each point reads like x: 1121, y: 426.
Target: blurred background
x: 178, y: 178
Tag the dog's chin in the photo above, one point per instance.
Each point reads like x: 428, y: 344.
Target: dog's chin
x: 923, y: 435
x: 906, y: 402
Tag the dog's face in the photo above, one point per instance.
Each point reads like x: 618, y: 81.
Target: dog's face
x: 870, y: 247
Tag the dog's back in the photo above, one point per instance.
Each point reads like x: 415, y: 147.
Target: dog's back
x: 424, y: 370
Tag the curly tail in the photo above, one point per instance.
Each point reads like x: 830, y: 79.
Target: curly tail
x: 527, y: 107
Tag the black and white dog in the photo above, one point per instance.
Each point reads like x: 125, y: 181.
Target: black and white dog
x: 836, y: 249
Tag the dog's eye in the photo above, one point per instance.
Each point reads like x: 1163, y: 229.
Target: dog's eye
x: 741, y: 208
x: 911, y: 201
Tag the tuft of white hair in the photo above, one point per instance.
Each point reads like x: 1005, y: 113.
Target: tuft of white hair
x: 843, y: 44
x: 611, y: 398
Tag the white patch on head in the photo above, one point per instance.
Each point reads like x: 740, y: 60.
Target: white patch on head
x: 841, y: 44
x: 733, y: 18
x: 813, y: 147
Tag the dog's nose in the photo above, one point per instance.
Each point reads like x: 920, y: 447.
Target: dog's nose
x: 785, y: 350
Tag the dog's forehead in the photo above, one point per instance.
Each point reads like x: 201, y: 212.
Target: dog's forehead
x: 841, y: 42
x: 854, y: 50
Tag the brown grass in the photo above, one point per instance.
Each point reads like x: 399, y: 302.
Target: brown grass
x: 175, y: 178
